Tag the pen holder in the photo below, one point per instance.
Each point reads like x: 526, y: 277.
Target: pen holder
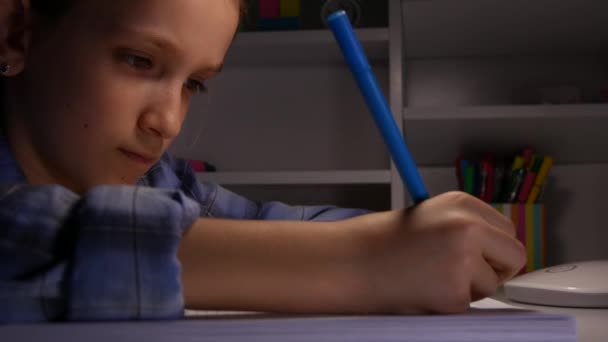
x: 529, y: 221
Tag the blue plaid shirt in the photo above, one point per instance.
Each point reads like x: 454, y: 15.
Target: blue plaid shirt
x: 110, y: 254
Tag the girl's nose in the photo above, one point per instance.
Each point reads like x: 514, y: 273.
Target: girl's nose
x: 165, y: 115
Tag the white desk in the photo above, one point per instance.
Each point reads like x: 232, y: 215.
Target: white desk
x: 591, y: 324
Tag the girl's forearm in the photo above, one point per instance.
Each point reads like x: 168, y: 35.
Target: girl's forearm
x: 299, y: 267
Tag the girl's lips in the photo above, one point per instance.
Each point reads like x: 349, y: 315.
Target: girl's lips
x: 138, y: 157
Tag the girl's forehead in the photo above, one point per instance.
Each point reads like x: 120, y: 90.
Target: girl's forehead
x: 186, y: 23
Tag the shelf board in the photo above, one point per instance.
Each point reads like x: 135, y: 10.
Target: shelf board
x: 599, y: 110
x: 570, y: 133
x: 439, y: 28
x: 276, y: 48
x: 298, y: 177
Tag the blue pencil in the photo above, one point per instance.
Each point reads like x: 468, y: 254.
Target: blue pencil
x: 362, y: 71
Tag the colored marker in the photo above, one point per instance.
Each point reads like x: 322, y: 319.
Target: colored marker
x: 518, y: 163
x: 458, y: 167
x: 540, y: 179
x: 527, y: 155
x: 526, y: 186
x: 517, y: 178
x: 469, y: 178
x: 362, y: 72
x: 488, y: 167
x: 534, y: 166
x: 499, y: 171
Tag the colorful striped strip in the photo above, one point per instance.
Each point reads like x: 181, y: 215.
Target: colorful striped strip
x: 535, y: 212
x: 528, y: 216
x: 269, y: 8
x: 529, y: 221
x: 290, y: 8
x: 543, y: 236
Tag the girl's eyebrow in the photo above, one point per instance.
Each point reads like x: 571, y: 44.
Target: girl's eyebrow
x: 161, y: 41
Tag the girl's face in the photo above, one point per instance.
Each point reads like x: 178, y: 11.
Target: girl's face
x: 105, y: 91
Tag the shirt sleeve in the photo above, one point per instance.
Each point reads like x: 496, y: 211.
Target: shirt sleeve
x: 227, y: 204
x: 219, y: 202
x: 108, y: 255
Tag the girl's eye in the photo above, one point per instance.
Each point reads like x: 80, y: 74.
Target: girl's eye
x: 195, y: 86
x: 138, y: 62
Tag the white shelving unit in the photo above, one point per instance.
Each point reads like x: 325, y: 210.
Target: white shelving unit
x: 469, y: 70
x: 499, y: 127
x: 467, y: 28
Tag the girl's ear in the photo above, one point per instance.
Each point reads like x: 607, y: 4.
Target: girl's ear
x: 15, y: 32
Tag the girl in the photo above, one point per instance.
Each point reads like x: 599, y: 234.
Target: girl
x: 97, y: 222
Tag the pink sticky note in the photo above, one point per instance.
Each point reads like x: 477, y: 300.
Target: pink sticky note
x: 270, y: 8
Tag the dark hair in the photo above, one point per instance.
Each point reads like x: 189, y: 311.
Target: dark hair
x: 51, y: 9
x: 54, y: 8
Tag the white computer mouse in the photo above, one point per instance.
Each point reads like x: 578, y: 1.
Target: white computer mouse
x: 578, y: 284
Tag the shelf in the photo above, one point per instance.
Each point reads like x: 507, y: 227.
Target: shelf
x: 278, y: 48
x: 507, y: 112
x: 439, y: 28
x: 437, y: 135
x: 298, y: 178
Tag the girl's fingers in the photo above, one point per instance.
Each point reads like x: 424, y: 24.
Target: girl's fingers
x: 503, y: 253
x: 484, y: 280
x: 491, y: 215
x: 500, y: 250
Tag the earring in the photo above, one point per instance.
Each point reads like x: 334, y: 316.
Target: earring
x: 4, y: 68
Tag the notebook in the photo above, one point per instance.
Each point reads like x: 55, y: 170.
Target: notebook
x: 486, y: 321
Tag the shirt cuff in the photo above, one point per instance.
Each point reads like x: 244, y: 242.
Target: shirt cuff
x: 125, y: 265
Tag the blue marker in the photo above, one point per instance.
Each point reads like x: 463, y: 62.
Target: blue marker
x: 362, y: 71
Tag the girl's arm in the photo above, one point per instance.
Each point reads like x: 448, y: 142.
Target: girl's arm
x: 435, y: 257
